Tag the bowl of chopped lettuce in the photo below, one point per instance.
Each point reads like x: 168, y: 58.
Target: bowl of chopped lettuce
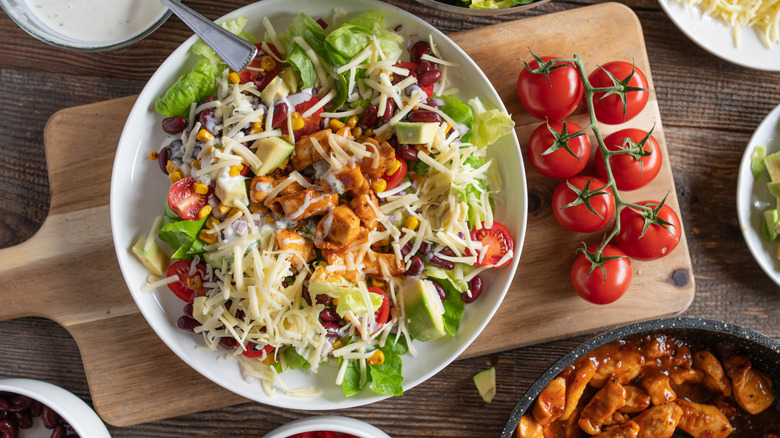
x: 332, y: 225
x: 482, y: 7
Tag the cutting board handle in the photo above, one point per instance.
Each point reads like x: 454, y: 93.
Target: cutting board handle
x: 18, y: 294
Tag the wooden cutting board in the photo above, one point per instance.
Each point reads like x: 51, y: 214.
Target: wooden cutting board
x: 135, y: 378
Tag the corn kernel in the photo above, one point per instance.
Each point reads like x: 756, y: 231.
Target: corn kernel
x: 268, y: 63
x: 154, y: 156
x: 204, y: 212
x: 194, y: 282
x: 212, y: 222
x: 234, y: 211
x: 344, y: 131
x: 352, y: 121
x: 269, y: 360
x: 297, y: 121
x: 200, y: 188
x: 411, y: 223
x: 335, y: 301
x: 235, y: 170
x: 223, y: 209
x: 207, y: 237
x: 394, y: 167
x: 447, y: 129
x: 257, y: 127
x: 287, y: 138
x: 204, y: 135
x: 196, y: 164
x: 379, y: 185
x: 171, y: 167
x: 234, y: 78
x: 337, y: 344
x: 175, y: 176
x: 378, y: 358
x: 357, y: 131
x: 254, y: 207
x: 335, y: 124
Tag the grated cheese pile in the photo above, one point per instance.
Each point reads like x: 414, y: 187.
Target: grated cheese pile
x: 761, y: 15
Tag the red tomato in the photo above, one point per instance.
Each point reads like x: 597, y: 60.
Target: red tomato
x: 496, y: 242
x: 189, y: 286
x: 610, y: 109
x: 255, y: 71
x: 629, y: 172
x: 395, y: 179
x: 381, y: 315
x: 551, y: 99
x: 570, y: 209
x: 311, y: 123
x: 589, y: 281
x: 253, y: 353
x: 183, y: 200
x: 659, y: 239
x: 548, y: 156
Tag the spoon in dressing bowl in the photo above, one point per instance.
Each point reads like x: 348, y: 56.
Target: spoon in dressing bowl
x: 235, y: 51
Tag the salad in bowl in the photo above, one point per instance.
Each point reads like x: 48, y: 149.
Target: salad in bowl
x: 331, y: 212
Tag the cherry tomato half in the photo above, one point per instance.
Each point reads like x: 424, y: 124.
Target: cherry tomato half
x: 395, y: 179
x: 559, y: 163
x: 657, y: 241
x: 383, y: 313
x: 630, y: 173
x: 496, y: 243
x: 590, y: 283
x: 609, y: 109
x: 189, y: 286
x: 253, y: 352
x: 578, y: 217
x: 263, y: 69
x: 311, y: 124
x: 183, y: 200
x: 551, y: 100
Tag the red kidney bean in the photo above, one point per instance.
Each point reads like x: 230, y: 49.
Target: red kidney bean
x: 415, y: 267
x: 19, y: 403
x: 67, y: 425
x: 322, y: 23
x: 59, y: 432
x: 439, y: 290
x: 174, y: 125
x: 323, y: 299
x: 8, y: 429
x: 4, y: 405
x: 424, y: 116
x: 228, y: 343
x: 368, y: 118
x: 389, y: 111
x: 187, y: 323
x: 23, y: 419
x: 419, y: 49
x: 280, y: 114
x: 207, y: 121
x: 406, y: 249
x: 49, y: 418
x: 305, y: 295
x: 439, y: 263
x: 475, y: 288
x: 424, y: 67
x: 407, y: 152
x: 425, y: 248
x: 428, y: 78
x: 188, y: 310
x: 332, y: 329
x: 329, y: 315
x: 36, y: 408
x: 162, y: 158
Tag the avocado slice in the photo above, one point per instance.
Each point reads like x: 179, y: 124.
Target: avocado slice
x: 423, y: 310
x: 772, y: 162
x: 272, y: 152
x: 757, y: 164
x: 415, y: 132
x: 154, y: 260
x: 769, y: 229
x: 485, y: 381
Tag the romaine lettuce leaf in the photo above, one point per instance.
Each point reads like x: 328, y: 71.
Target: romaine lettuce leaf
x: 489, y: 124
x: 192, y: 87
x: 307, y: 28
x: 358, y: 33
x: 460, y: 113
x: 385, y: 378
x: 181, y: 235
x: 352, y: 299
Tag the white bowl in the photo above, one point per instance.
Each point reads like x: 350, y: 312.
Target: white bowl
x: 72, y: 409
x: 329, y: 423
x: 753, y: 197
x: 138, y: 191
x: 80, y: 32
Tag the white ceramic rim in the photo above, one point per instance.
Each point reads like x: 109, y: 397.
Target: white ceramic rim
x: 716, y: 38
x: 131, y: 155
x: 463, y: 10
x: 752, y: 194
x: 331, y: 423
x: 70, y: 407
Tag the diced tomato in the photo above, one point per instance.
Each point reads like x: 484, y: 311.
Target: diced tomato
x: 311, y: 123
x: 183, y: 200
x: 383, y: 313
x: 496, y: 242
x: 189, y: 286
x: 255, y: 71
x: 253, y: 352
x: 395, y: 179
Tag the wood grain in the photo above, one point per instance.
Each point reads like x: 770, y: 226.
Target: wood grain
x: 709, y: 110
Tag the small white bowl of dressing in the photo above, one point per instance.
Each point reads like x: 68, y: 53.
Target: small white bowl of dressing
x: 87, y: 25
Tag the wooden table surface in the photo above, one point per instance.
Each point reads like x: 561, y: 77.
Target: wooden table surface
x: 709, y: 110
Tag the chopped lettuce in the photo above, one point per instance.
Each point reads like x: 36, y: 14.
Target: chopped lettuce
x: 385, y: 378
x: 453, y: 304
x: 182, y: 235
x: 497, y: 4
x: 192, y: 87
x: 354, y: 36
x: 292, y: 360
x: 460, y: 113
x: 305, y: 27
x: 489, y: 124
x: 352, y: 299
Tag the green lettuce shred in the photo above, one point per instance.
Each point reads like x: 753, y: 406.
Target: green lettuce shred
x: 490, y: 124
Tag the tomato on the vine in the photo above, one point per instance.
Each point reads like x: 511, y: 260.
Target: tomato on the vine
x: 635, y: 169
x: 548, y: 155
x: 263, y: 69
x: 609, y: 108
x: 604, y: 279
x: 553, y: 98
x: 395, y: 179
x: 184, y: 201
x: 189, y: 285
x: 572, y: 197
x: 496, y: 243
x: 649, y: 236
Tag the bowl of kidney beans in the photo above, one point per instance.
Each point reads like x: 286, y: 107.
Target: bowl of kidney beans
x: 327, y: 427
x: 32, y: 408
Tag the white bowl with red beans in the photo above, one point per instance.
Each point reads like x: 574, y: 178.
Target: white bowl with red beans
x: 33, y: 408
x: 327, y: 427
